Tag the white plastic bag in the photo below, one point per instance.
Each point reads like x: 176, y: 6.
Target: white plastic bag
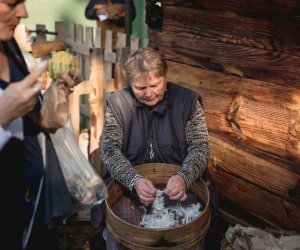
x: 85, y: 186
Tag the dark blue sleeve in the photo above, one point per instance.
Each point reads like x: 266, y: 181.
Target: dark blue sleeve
x: 89, y: 11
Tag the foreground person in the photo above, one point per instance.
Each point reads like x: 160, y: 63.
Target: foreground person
x: 153, y: 121
x: 27, y: 222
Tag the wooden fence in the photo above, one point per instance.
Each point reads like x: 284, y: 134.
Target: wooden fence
x: 99, y: 55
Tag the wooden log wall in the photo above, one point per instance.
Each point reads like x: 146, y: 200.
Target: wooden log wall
x: 243, y: 58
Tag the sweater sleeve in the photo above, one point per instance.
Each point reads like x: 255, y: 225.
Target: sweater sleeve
x: 111, y: 156
x: 197, y: 157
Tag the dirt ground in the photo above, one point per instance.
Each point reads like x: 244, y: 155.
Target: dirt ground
x: 80, y: 236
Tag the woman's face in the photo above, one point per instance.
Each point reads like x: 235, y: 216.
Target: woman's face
x: 149, y: 89
x: 11, y: 11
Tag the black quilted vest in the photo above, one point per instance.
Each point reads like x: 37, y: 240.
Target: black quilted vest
x: 163, y: 125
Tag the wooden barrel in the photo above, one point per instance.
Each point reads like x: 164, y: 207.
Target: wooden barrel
x: 135, y: 237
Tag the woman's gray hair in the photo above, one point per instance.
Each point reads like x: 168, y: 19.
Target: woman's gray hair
x: 143, y: 61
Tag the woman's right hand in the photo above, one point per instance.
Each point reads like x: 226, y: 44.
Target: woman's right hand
x: 19, y: 98
x: 145, y: 190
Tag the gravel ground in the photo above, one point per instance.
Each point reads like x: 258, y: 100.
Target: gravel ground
x: 80, y: 236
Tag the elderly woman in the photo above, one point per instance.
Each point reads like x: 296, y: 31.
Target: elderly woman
x: 21, y: 159
x: 156, y: 121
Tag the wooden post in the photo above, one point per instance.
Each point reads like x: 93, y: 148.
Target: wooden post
x: 89, y: 41
x: 60, y: 30
x: 98, y: 38
x: 40, y: 36
x: 97, y: 103
x: 120, y: 82
x: 134, y: 43
x: 108, y: 48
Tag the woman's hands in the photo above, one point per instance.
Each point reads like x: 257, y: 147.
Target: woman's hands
x: 176, y: 188
x: 19, y: 98
x: 145, y: 190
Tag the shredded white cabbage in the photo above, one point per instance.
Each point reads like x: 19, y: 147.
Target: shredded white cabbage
x: 166, y: 217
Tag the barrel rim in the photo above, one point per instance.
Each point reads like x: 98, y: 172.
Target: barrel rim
x: 204, y: 219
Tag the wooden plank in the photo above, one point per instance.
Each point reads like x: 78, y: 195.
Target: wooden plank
x: 74, y: 113
x: 79, y: 33
x: 266, y: 123
x: 89, y: 41
x: 277, y: 10
x: 278, y: 177
x: 206, y: 50
x: 70, y: 32
x: 201, y: 79
x: 89, y: 36
x: 275, y: 211
x: 97, y: 103
x: 258, y: 64
x: 108, y: 48
x: 122, y: 55
x: 98, y: 38
x: 121, y: 40
x: 78, y: 47
x: 79, y: 42
x: 60, y: 30
x: 134, y: 43
x: 257, y: 125
x: 232, y: 28
x: 74, y: 105
x: 109, y: 57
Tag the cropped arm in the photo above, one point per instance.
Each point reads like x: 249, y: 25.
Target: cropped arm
x: 14, y: 128
x: 90, y: 12
x: 5, y: 135
x: 197, y: 157
x: 111, y: 156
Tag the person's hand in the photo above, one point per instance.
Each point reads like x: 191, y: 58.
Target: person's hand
x: 101, y: 11
x: 176, y: 188
x: 145, y: 190
x: 20, y: 97
x: 70, y: 80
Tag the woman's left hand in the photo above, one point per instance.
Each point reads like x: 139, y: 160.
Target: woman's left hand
x: 176, y: 188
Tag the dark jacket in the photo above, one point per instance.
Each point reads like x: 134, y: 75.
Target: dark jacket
x: 22, y: 169
x: 12, y: 162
